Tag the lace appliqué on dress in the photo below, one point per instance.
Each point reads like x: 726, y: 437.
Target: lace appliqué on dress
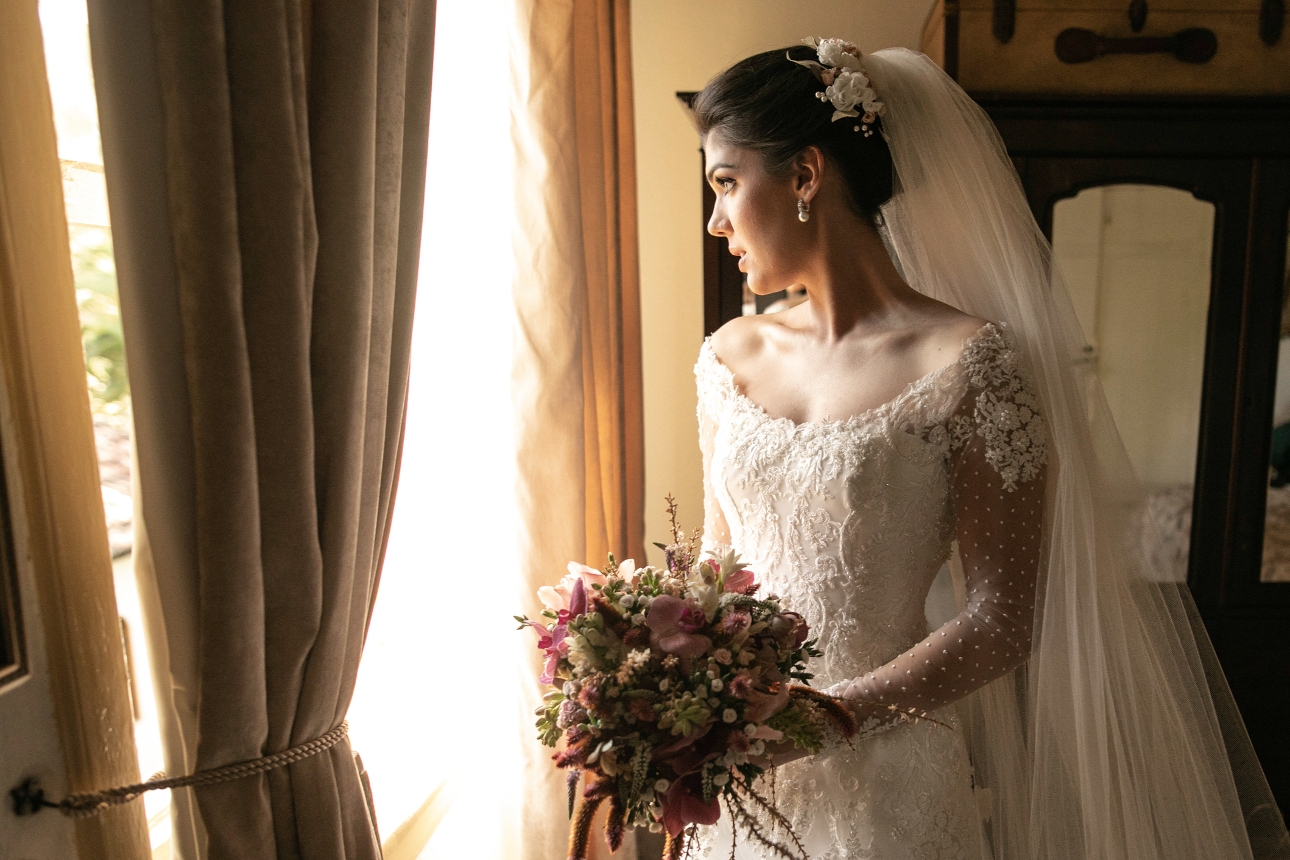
x: 1006, y: 413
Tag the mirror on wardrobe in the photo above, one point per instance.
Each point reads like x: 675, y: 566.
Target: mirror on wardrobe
x: 1137, y: 262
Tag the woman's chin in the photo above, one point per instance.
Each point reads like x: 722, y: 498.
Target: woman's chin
x: 760, y: 288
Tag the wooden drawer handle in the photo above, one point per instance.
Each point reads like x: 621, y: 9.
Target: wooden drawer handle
x: 1194, y: 45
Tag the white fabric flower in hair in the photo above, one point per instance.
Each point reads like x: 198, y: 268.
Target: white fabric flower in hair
x: 846, y: 84
x: 847, y: 90
x: 837, y: 52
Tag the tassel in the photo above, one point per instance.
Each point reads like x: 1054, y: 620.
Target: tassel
x: 833, y: 710
x: 615, y: 825
x: 575, y: 755
x: 673, y: 847
x: 571, y: 786
x: 579, y: 833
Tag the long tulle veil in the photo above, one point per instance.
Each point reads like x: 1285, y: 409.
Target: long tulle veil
x: 1110, y: 743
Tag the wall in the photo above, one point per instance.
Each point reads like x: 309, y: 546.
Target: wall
x: 677, y: 45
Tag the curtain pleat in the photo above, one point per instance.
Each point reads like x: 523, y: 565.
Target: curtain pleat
x: 578, y: 373
x: 611, y: 326
x: 280, y: 176
x: 577, y: 378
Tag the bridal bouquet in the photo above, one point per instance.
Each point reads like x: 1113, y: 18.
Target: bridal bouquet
x: 668, y: 683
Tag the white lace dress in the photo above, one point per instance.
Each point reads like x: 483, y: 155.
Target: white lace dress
x: 849, y: 522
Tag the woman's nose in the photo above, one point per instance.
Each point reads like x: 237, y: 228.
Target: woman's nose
x: 717, y: 223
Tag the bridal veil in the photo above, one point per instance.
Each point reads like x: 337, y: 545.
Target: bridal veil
x: 1109, y: 743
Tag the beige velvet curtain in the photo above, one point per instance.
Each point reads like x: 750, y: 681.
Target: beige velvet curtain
x: 265, y: 165
x: 577, y: 358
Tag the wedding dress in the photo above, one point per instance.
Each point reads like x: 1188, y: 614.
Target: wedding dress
x: 849, y: 522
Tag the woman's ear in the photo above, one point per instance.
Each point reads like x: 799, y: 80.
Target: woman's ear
x: 808, y: 169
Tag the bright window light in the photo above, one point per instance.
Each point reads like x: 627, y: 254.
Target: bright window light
x: 434, y: 696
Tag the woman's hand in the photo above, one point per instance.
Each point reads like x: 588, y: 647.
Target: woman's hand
x: 778, y: 753
x: 872, y: 718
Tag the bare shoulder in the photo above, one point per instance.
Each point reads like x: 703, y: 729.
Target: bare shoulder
x: 740, y: 340
x: 944, y: 336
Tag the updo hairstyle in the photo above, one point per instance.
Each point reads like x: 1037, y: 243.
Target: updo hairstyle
x: 768, y: 104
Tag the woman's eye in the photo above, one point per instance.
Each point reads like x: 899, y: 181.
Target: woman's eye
x: 725, y: 181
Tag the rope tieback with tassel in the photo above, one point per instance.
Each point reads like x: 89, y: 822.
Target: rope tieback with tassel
x: 29, y: 797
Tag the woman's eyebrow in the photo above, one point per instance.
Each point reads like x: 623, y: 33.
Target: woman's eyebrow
x: 714, y: 168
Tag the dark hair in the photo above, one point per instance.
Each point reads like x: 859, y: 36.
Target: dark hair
x: 768, y: 104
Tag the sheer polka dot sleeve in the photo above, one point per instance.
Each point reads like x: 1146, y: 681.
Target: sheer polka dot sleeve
x: 998, y: 475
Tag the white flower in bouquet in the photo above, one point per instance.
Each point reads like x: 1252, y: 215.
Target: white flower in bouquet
x: 703, y: 588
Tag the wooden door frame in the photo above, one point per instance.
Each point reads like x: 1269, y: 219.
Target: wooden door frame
x: 49, y: 455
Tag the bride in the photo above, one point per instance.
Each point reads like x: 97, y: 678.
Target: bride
x: 924, y: 407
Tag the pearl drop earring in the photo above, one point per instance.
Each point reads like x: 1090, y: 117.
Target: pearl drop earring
x: 803, y: 211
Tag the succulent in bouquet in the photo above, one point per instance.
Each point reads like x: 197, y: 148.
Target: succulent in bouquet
x: 668, y: 684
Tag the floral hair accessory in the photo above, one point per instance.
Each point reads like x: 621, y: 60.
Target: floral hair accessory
x: 846, y: 84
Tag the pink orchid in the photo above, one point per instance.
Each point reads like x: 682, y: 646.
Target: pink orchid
x: 554, y: 643
x: 683, y: 806
x: 557, y: 597
x: 672, y: 623
x: 556, y: 647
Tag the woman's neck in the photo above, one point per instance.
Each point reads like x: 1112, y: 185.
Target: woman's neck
x: 852, y: 283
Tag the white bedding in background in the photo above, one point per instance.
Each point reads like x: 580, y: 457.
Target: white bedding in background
x: 1168, y: 542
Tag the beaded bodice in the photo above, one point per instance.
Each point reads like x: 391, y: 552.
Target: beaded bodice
x: 809, y: 507
x: 848, y: 522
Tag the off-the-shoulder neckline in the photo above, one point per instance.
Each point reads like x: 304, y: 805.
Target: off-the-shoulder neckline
x: 728, y: 376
